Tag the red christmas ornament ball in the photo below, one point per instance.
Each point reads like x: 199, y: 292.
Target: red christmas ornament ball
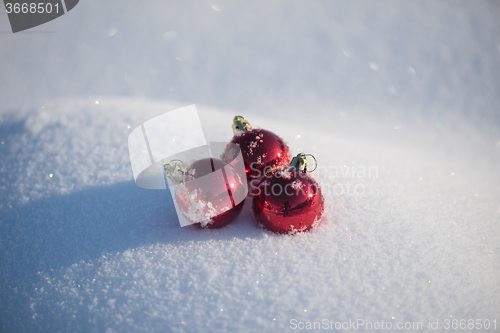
x: 214, y: 196
x: 261, y: 150
x: 288, y: 201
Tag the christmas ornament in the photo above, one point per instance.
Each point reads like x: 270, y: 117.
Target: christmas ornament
x: 288, y: 200
x: 205, y: 192
x: 261, y: 149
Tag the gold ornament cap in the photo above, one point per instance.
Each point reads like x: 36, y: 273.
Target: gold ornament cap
x: 300, y: 163
x: 240, y: 124
x: 176, y: 171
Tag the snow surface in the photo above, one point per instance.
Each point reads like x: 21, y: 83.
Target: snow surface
x: 407, y: 92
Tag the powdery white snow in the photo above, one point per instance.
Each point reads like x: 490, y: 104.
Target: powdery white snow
x: 88, y: 250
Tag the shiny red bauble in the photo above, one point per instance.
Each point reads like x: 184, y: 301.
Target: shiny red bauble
x: 208, y: 198
x: 288, y: 201
x: 261, y: 150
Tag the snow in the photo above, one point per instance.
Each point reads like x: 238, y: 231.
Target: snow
x: 397, y: 101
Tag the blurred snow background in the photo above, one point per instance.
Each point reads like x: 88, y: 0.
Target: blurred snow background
x: 408, y: 87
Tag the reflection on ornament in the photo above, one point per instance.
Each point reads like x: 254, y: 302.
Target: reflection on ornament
x: 205, y: 192
x: 261, y: 150
x: 288, y: 200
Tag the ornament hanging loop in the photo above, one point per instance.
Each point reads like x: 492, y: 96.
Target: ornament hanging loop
x: 315, y: 162
x: 241, y: 124
x: 299, y: 162
x: 176, y: 171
